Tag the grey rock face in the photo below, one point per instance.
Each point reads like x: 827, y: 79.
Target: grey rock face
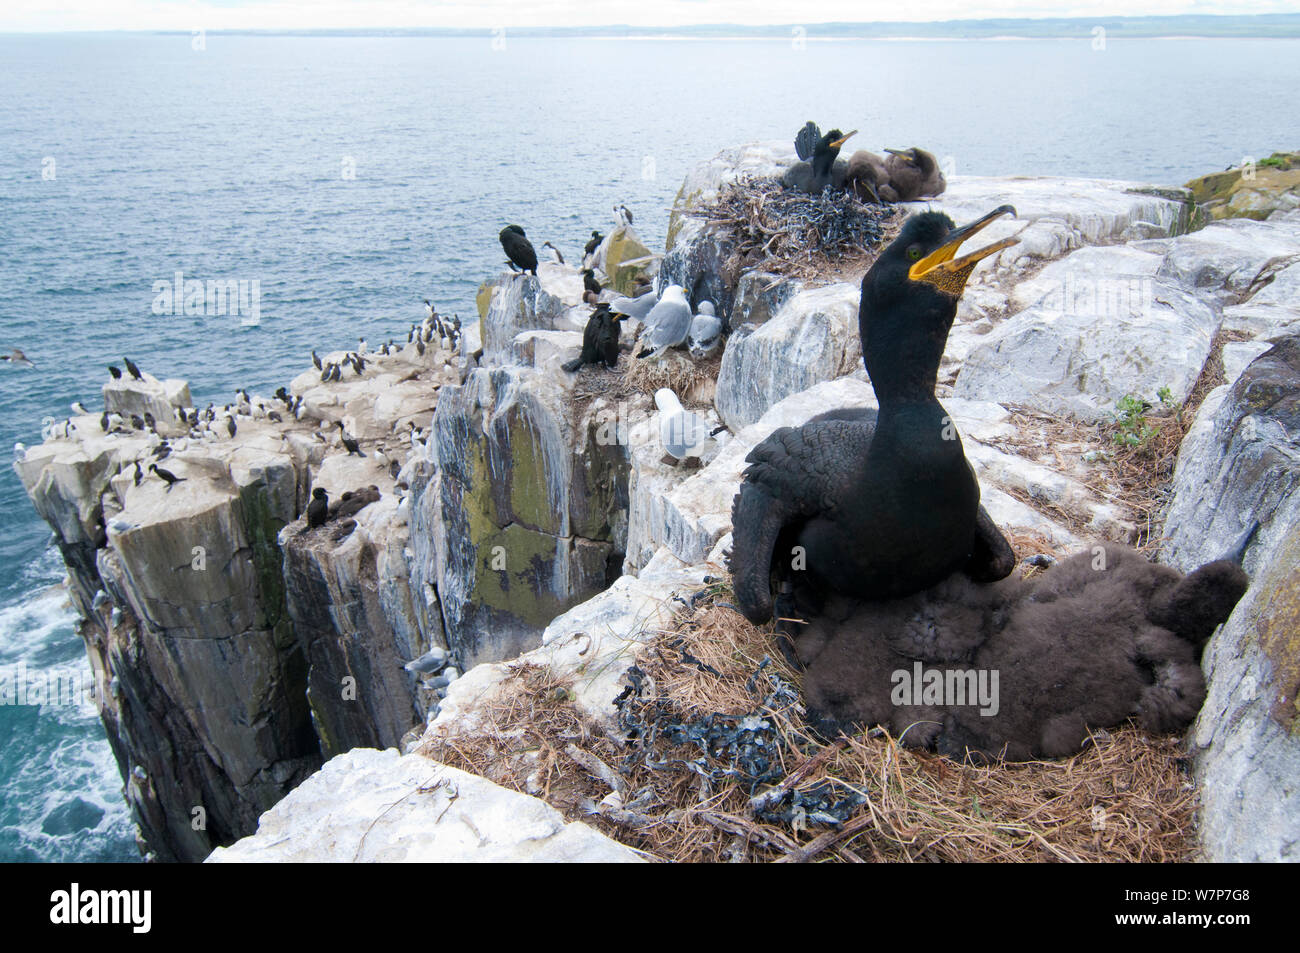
x: 1240, y: 463
x: 525, y: 518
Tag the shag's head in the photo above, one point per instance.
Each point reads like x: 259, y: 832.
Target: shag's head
x: 318, y: 493
x: 833, y: 140
x: 909, y: 300
x: 512, y: 228
x: 928, y: 246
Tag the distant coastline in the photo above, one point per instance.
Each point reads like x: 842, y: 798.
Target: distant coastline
x: 1260, y: 26
x: 1186, y: 26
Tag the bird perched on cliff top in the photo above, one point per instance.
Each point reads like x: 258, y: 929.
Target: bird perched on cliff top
x: 114, y: 372
x: 349, y: 442
x: 867, y: 175
x: 914, y: 173
x: 818, y: 154
x: 599, y: 339
x: 622, y: 215
x: 318, y: 508
x: 1098, y: 638
x: 17, y: 358
x: 519, y: 249
x: 589, y: 281
x: 590, y: 249
x: 668, y: 323
x: 682, y: 433
x: 166, y: 476
x: 132, y: 369
x: 879, y: 504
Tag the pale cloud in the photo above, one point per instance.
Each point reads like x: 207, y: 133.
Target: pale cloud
x: 30, y: 15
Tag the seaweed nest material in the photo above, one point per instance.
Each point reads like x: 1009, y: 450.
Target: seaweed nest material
x: 710, y: 762
x: 791, y: 232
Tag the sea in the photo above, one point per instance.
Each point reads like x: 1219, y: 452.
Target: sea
x: 344, y: 179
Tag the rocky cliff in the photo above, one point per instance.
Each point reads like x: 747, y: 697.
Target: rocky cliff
x: 531, y: 516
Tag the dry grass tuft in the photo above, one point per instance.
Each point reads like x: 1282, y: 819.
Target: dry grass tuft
x: 1124, y: 798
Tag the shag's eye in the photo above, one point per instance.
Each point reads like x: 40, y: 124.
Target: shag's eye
x: 914, y: 252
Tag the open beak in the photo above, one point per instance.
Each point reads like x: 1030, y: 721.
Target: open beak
x: 843, y: 139
x: 950, y: 274
x: 901, y: 153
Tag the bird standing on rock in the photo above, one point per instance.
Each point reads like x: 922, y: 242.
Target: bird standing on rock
x: 876, y: 504
x: 519, y: 249
x: 599, y: 340
x: 318, y: 508
x: 132, y: 369
x: 166, y: 476
x: 589, y: 281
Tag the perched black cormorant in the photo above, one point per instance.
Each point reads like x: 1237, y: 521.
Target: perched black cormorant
x: 589, y: 281
x: 167, y: 476
x: 519, y: 249
x: 599, y: 339
x: 914, y: 174
x: 591, y: 246
x: 876, y: 504
x: 132, y: 369
x: 318, y: 508
x: 315, y: 359
x: 114, y: 372
x: 818, y: 152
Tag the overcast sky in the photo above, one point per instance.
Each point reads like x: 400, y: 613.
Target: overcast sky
x: 23, y: 15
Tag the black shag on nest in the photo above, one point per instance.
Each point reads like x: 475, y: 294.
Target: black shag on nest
x: 876, y: 504
x: 818, y: 153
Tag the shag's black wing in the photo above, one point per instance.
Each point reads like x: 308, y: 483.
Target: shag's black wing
x: 805, y: 143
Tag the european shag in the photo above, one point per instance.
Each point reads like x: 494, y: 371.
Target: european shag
x: 591, y: 246
x: 914, y: 174
x: 318, y: 508
x: 599, y: 340
x: 589, y: 281
x: 818, y: 152
x: 1097, y: 639
x: 519, y: 249
x: 132, y: 369
x: 876, y: 504
x: 166, y: 476
x: 114, y: 372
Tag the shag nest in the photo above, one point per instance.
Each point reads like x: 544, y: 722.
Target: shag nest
x: 790, y: 232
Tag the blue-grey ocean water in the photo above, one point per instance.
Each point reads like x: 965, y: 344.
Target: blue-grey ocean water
x: 127, y: 158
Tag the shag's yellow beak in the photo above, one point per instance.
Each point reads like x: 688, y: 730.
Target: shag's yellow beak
x: 949, y: 274
x: 843, y: 139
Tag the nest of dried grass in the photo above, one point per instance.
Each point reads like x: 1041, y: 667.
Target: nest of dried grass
x: 1126, y: 797
x: 791, y: 232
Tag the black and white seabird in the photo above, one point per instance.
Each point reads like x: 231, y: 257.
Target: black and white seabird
x: 115, y: 372
x: 17, y: 358
x: 622, y: 214
x: 668, y: 324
